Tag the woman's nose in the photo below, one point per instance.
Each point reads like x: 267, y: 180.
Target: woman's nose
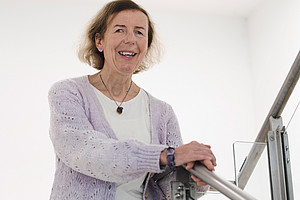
x: 130, y: 38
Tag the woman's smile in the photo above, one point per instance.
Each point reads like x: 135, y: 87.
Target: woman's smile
x: 127, y: 53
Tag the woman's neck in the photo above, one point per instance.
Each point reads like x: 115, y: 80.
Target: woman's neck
x: 114, y: 86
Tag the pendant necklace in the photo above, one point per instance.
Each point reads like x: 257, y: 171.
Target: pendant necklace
x: 119, y: 107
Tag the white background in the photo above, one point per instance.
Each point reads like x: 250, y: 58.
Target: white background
x: 221, y: 71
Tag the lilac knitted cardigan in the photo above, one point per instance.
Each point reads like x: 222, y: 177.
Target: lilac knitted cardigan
x: 89, y: 158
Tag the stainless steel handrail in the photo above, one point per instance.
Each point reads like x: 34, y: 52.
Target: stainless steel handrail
x: 275, y: 111
x: 225, y: 187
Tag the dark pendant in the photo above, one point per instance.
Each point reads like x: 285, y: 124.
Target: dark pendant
x: 119, y: 110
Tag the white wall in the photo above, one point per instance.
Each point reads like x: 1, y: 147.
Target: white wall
x: 274, y: 31
x: 205, y: 75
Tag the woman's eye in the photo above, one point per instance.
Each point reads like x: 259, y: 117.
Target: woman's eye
x: 119, y: 31
x: 139, y: 33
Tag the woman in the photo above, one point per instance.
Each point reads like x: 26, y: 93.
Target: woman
x: 109, y: 135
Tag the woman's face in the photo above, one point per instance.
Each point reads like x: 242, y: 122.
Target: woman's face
x: 125, y: 41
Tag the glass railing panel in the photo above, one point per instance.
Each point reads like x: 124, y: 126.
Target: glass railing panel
x: 259, y: 183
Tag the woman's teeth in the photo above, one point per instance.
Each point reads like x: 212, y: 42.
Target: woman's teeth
x: 126, y: 53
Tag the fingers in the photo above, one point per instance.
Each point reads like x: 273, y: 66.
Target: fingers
x: 198, y: 181
x: 192, y: 152
x: 204, y: 151
x: 208, y: 164
x: 190, y: 165
x: 212, y: 157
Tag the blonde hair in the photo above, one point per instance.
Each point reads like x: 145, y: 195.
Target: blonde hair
x: 88, y: 53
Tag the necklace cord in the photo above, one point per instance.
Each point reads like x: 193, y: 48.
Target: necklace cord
x: 112, y: 95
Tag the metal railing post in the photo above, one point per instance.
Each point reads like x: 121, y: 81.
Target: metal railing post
x: 275, y: 111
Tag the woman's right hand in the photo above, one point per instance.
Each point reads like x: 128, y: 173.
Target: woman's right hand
x: 192, y: 152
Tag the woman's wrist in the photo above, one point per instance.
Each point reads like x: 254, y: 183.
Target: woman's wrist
x: 163, y: 157
x: 171, y: 158
x: 167, y: 158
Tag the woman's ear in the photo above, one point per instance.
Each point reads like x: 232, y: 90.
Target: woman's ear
x: 98, y: 42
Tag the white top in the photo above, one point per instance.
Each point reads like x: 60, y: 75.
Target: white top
x: 133, y: 123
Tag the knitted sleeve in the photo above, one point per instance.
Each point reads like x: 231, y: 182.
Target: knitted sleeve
x: 173, y: 139
x: 91, y: 152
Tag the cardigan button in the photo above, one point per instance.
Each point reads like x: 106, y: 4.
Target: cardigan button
x: 146, y: 195
x: 109, y: 187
